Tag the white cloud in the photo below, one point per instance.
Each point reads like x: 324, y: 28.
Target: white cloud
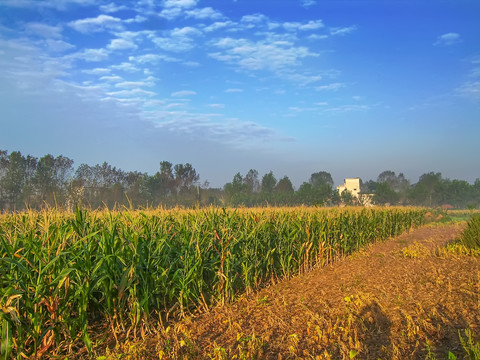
x: 204, y: 13
x: 152, y: 58
x: 53, y: 32
x: 219, y: 25
x: 100, y: 23
x: 254, y: 18
x: 317, y: 37
x: 274, y: 56
x: 175, y: 8
x: 126, y: 66
x: 348, y: 108
x: 470, y: 89
x: 134, y: 84
x: 121, y: 44
x: 343, y: 30
x: 217, y: 106
x: 308, y: 3
x: 132, y: 93
x: 171, y: 13
x: 58, y: 45
x: 447, y: 39
x: 234, y: 90
x: 183, y: 93
x: 56, y: 4
x: 302, y: 79
x: 113, y: 78
x: 112, y: 7
x: 185, y: 31
x: 231, y: 131
x: 180, y: 3
x: 333, y: 86
x: 97, y: 71
x: 91, y: 55
x: 178, y: 39
x: 296, y: 26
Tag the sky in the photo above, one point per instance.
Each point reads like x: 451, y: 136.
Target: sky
x: 352, y: 87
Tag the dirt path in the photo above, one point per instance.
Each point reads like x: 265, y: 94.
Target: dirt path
x: 401, y: 299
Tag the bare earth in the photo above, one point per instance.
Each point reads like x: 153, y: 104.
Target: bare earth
x: 401, y: 299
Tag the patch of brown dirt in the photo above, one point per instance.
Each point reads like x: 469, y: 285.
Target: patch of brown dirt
x: 398, y: 299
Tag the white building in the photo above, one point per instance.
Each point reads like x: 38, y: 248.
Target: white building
x: 352, y: 185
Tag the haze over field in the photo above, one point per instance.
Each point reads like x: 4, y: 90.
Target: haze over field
x: 349, y: 87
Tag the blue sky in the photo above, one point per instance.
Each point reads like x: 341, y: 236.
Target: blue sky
x: 351, y: 87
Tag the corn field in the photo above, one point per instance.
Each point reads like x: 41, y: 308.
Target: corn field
x: 61, y: 273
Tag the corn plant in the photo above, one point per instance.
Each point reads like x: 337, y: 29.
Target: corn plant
x: 62, y: 272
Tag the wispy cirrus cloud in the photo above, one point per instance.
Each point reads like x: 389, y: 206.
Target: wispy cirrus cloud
x: 341, y: 31
x: 183, y: 93
x: 308, y: 3
x: 447, y: 39
x: 471, y: 87
x: 330, y: 87
x: 112, y: 7
x: 47, y: 31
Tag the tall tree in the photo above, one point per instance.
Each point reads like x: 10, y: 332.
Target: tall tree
x: 185, y: 176
x: 13, y: 179
x: 429, y: 190
x: 268, y: 183
x: 321, y: 178
x: 284, y: 191
x: 251, y: 181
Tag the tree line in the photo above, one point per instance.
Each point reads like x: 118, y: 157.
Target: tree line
x: 31, y: 182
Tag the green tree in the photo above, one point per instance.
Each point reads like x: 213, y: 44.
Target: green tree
x: 284, y: 191
x: 268, y: 185
x: 321, y: 178
x: 185, y: 177
x: 51, y: 178
x: 304, y: 194
x: 384, y: 194
x: 13, y: 179
x: 235, y: 192
x: 347, y: 198
x: 429, y: 190
x: 251, y: 181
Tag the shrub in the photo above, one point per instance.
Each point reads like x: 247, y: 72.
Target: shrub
x: 471, y: 235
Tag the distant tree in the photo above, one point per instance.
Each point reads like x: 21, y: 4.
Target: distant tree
x: 268, y: 183
x: 284, y: 185
x: 235, y: 192
x: 51, y: 178
x: 304, y: 194
x: 428, y: 191
x: 251, y: 181
x: 384, y: 194
x: 167, y: 179
x: 458, y: 193
x: 13, y: 179
x: 397, y: 184
x: 284, y: 191
x: 185, y: 177
x: 3, y: 170
x: 321, y: 178
x: 369, y: 187
x: 347, y: 198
